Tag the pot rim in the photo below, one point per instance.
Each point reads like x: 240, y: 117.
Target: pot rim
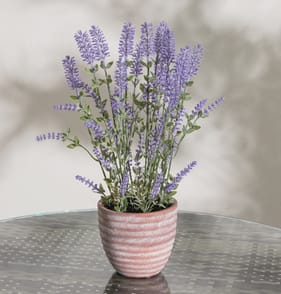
x: 139, y: 214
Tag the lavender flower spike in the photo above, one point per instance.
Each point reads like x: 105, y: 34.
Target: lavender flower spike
x: 182, y: 66
x: 124, y: 184
x: 136, y: 67
x: 106, y: 164
x: 88, y: 183
x: 214, y: 105
x: 85, y: 46
x: 199, y: 107
x: 164, y: 43
x: 126, y: 42
x: 98, y: 131
x: 196, y: 57
x: 173, y: 185
x: 49, y: 136
x: 126, y: 47
x: 100, y: 46
x: 71, y: 73
x: 156, y: 187
x: 147, y: 41
x: 67, y: 106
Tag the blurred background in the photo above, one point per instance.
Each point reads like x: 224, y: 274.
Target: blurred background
x: 238, y: 148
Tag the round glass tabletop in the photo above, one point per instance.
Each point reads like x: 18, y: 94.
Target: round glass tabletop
x: 62, y: 253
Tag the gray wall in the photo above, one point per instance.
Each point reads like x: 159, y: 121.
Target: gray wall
x: 238, y: 148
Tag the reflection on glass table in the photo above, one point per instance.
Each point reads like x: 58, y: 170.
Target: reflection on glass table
x: 62, y: 253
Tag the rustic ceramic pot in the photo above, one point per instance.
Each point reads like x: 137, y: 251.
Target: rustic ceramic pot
x: 138, y: 245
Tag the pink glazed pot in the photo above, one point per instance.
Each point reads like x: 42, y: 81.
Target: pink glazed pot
x: 138, y: 245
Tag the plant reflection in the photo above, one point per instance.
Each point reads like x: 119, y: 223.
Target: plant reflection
x: 121, y: 284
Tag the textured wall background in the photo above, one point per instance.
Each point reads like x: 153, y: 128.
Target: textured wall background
x: 238, y: 148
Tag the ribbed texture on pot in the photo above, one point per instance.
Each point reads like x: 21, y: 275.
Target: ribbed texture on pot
x: 138, y: 244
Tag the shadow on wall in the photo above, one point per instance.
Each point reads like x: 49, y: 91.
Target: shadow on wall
x: 245, y: 156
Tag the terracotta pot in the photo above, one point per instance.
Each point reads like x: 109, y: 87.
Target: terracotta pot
x: 138, y: 245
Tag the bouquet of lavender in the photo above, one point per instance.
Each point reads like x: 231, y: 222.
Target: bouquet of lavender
x: 134, y: 114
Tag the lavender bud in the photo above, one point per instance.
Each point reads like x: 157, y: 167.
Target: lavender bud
x: 50, y: 136
x: 88, y: 183
x: 156, y: 186
x: 71, y: 73
x: 100, y: 46
x: 85, y: 46
x: 173, y: 185
x: 124, y: 184
x: 67, y: 106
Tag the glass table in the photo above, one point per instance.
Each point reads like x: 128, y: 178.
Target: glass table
x: 62, y: 253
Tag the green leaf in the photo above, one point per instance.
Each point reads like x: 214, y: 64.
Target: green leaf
x: 74, y: 97
x: 71, y: 146
x: 192, y: 129
x: 142, y: 88
x: 146, y: 78
x: 172, y: 193
x: 108, y: 180
x: 109, y: 79
x: 76, y: 140
x: 195, y: 127
x: 140, y: 104
x: 130, y: 78
x: 149, y: 64
x: 84, y: 117
x: 102, y: 81
x: 109, y: 64
x: 143, y: 63
x: 101, y: 188
x: 189, y: 83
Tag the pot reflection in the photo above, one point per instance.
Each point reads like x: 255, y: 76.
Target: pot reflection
x: 121, y: 284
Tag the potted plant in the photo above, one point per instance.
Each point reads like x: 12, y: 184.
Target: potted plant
x: 135, y: 115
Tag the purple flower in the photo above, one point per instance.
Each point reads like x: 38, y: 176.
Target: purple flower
x: 110, y: 125
x: 147, y: 40
x: 156, y: 186
x: 114, y: 105
x: 100, y: 46
x: 182, y: 65
x: 136, y: 67
x: 126, y: 47
x: 199, y: 107
x: 178, y: 121
x: 214, y: 105
x: 88, y: 183
x: 124, y: 184
x: 85, y: 47
x: 98, y: 131
x: 88, y: 90
x: 196, y: 57
x: 164, y: 44
x: 126, y: 42
x: 173, y: 185
x: 71, y: 73
x: 120, y: 78
x: 172, y: 91
x: 67, y: 106
x: 155, y: 137
x: 50, y: 136
x: 106, y: 164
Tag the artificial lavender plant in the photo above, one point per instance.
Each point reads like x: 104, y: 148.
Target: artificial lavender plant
x: 135, y: 130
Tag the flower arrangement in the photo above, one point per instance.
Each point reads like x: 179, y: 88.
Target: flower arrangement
x: 134, y: 114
